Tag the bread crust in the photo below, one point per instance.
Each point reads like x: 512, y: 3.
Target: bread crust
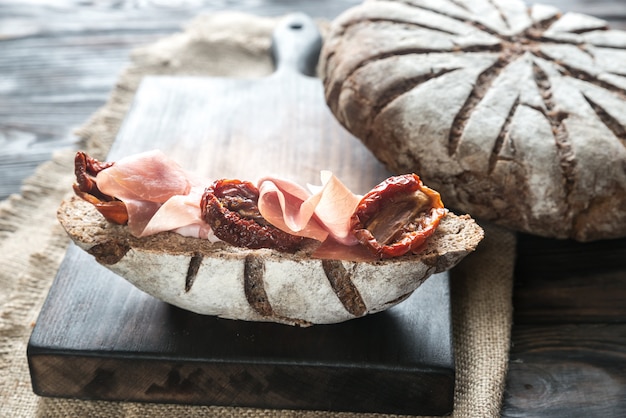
x: 262, y: 285
x: 515, y: 115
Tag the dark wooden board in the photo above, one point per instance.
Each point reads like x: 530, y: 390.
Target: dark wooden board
x: 97, y: 337
x: 568, y: 351
x: 567, y: 370
x: 552, y: 276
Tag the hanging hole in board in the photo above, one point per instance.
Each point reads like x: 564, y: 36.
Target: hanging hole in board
x: 296, y: 25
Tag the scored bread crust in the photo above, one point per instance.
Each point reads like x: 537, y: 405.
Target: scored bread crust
x: 515, y: 114
x: 262, y: 285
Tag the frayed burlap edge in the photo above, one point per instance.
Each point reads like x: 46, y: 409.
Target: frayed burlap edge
x: 33, y: 244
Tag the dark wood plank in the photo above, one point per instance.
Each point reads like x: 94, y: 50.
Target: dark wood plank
x: 569, y: 282
x: 567, y: 355
x: 567, y: 371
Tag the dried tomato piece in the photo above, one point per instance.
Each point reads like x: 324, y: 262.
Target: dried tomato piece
x: 397, y: 216
x: 85, y: 169
x: 230, y: 207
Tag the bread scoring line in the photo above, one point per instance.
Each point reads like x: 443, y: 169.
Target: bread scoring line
x: 339, y: 278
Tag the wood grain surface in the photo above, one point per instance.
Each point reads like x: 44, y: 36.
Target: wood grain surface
x: 567, y: 370
x: 59, y: 60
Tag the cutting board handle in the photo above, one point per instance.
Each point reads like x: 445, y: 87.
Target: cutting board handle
x: 296, y: 44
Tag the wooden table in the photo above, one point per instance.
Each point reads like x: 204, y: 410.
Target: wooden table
x: 59, y: 61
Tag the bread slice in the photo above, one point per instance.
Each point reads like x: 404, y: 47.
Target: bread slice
x: 262, y: 285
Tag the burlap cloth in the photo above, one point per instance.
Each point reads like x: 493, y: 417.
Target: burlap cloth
x: 33, y: 244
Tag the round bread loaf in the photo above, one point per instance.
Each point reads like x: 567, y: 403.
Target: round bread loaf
x: 514, y: 114
x: 263, y: 285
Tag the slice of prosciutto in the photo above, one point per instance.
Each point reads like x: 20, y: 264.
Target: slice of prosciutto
x: 159, y: 195
x: 325, y: 212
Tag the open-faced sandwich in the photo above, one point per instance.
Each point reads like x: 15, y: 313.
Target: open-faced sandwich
x: 271, y: 250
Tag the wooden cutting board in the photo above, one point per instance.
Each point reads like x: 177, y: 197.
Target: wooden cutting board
x: 98, y: 337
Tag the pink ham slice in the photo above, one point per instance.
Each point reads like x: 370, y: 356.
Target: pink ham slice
x: 161, y: 196
x: 149, y: 176
x: 326, y: 212
x: 157, y: 192
x: 181, y: 214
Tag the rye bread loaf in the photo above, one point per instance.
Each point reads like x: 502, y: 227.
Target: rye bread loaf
x: 262, y: 285
x: 514, y: 114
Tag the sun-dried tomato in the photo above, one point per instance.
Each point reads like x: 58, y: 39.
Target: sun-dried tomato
x: 397, y: 216
x: 85, y: 169
x: 230, y: 207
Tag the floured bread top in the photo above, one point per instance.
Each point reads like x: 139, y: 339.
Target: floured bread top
x: 515, y: 114
x: 456, y: 237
